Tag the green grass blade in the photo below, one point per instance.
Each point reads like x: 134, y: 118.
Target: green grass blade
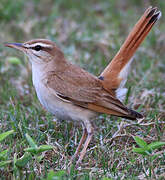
x: 140, y: 151
x: 5, y: 134
x: 31, y: 150
x: 140, y: 142
x: 43, y: 148
x: 31, y: 141
x: 3, y: 154
x: 3, y: 163
x: 21, y: 162
x: 156, y: 145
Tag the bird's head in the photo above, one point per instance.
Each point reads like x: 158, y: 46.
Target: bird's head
x: 39, y: 50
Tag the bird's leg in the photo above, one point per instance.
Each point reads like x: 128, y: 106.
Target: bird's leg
x: 89, y: 129
x: 89, y: 137
x: 84, y: 135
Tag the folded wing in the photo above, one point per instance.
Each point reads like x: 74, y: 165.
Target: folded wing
x: 74, y: 85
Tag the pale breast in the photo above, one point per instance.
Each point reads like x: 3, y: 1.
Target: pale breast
x: 61, y: 109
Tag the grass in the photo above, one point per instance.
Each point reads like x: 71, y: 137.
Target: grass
x: 90, y: 33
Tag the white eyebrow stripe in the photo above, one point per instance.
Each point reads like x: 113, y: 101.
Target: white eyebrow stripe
x: 37, y: 44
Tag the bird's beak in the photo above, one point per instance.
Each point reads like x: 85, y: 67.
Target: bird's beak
x: 18, y: 46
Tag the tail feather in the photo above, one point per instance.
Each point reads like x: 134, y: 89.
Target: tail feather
x: 115, y: 74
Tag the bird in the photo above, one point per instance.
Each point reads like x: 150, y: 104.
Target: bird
x: 70, y: 93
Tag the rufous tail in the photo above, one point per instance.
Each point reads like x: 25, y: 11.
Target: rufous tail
x: 115, y: 74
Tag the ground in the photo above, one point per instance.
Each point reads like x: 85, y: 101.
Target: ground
x: 90, y: 33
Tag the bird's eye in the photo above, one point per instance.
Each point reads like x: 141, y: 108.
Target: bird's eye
x: 37, y: 48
